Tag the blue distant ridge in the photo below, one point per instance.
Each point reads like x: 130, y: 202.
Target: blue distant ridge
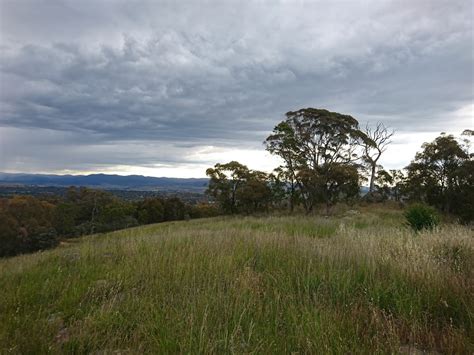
x: 106, y: 181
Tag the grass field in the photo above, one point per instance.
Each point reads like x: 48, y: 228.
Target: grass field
x: 353, y: 283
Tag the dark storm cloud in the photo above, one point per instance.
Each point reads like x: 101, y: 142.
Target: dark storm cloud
x: 143, y: 83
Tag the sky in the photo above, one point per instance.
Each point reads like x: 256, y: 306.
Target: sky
x: 169, y: 88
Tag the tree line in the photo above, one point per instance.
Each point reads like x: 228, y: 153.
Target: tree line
x: 29, y: 223
x: 326, y: 158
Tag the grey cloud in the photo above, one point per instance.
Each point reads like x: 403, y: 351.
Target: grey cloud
x: 190, y: 74
x: 55, y: 151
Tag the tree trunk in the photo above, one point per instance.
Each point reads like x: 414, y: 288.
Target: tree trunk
x: 292, y: 196
x: 94, y: 211
x: 372, y: 179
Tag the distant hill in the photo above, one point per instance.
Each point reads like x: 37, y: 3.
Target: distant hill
x: 130, y: 182
x: 364, y: 190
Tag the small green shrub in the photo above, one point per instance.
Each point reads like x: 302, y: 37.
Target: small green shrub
x: 420, y: 217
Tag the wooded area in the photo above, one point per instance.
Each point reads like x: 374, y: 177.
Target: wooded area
x: 326, y: 157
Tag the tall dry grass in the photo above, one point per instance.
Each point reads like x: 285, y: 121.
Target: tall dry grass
x: 354, y: 283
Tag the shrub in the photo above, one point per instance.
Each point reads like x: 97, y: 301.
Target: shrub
x: 420, y: 217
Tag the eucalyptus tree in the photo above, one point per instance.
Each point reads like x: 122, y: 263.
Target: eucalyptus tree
x: 255, y: 195
x: 284, y: 187
x: 319, y: 151
x: 441, y: 174
x: 236, y: 188
x: 282, y: 142
x: 225, y: 181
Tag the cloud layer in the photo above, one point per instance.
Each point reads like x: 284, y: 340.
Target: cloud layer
x: 102, y: 85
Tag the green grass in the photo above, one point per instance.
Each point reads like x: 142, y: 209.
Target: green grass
x: 359, y: 283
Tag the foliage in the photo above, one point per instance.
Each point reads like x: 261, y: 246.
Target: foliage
x: 463, y: 192
x: 281, y: 192
x: 203, y: 210
x: 396, y: 183
x: 388, y: 185
x: 318, y: 148
x: 87, y: 211
x: 256, y: 194
x: 419, y: 217
x: 174, y: 209
x: 150, y: 210
x: 442, y: 175
x: 29, y: 223
x: 225, y: 181
x: 237, y: 189
x: 25, y: 225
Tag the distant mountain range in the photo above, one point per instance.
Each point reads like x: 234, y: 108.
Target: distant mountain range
x: 105, y: 181
x: 111, y: 182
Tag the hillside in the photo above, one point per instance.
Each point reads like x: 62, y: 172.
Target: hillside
x: 354, y: 283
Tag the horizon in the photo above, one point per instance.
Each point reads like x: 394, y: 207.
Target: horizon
x: 98, y: 173
x: 160, y: 90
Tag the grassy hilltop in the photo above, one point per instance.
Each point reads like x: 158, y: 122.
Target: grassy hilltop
x: 353, y: 283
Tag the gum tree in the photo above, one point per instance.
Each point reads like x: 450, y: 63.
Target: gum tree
x: 319, y: 151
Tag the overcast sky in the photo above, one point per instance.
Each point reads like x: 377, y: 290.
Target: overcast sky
x: 171, y: 88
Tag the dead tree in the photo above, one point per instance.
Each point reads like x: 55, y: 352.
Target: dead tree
x: 380, y: 137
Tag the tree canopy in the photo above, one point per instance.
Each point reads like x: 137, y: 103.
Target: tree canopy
x: 319, y: 151
x: 442, y: 175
